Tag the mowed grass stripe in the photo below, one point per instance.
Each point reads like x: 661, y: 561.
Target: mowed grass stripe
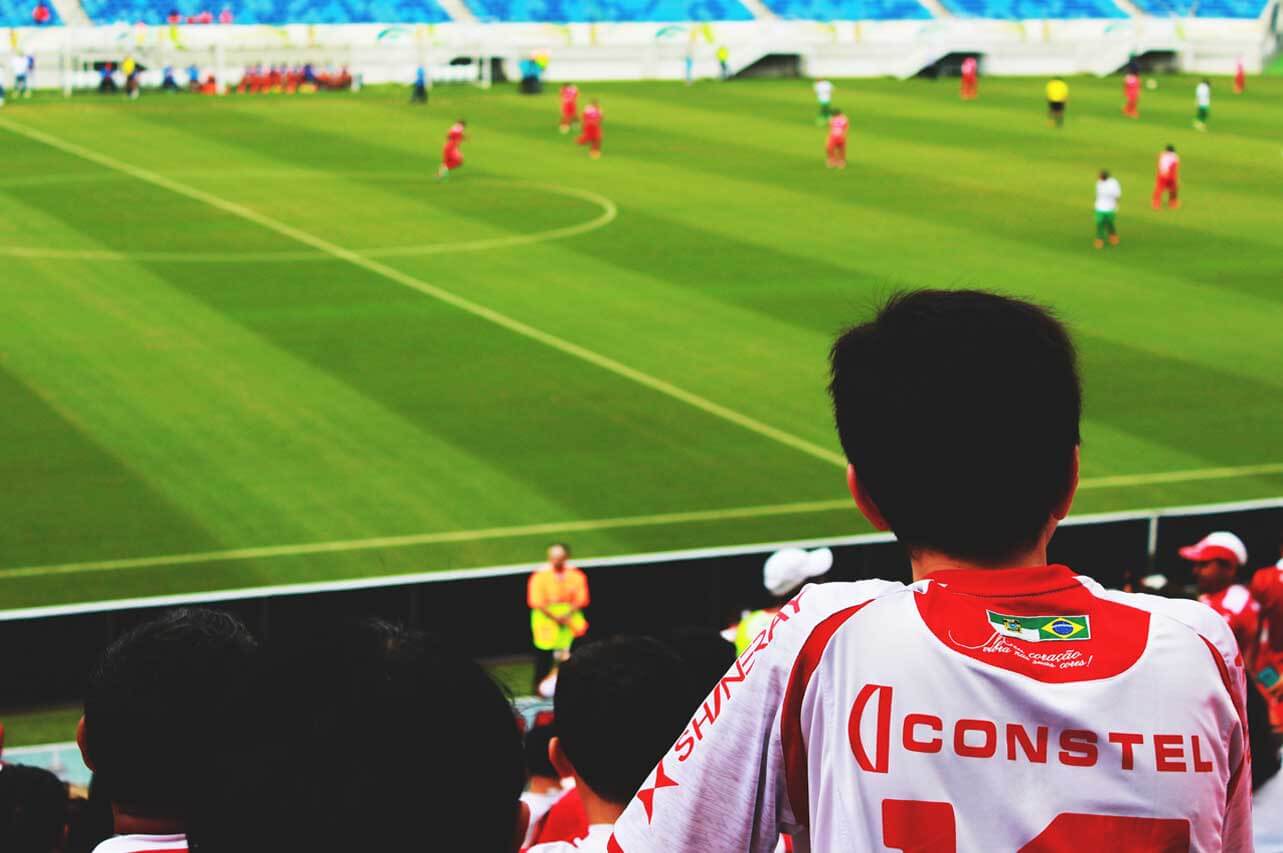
x: 561, y: 528
x: 392, y: 274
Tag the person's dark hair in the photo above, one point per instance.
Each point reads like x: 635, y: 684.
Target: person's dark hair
x: 1263, y: 741
x: 537, y: 761
x: 166, y: 707
x: 960, y: 412
x: 707, y: 656
x: 1171, y: 148
x: 620, y: 704
x: 386, y: 739
x: 1104, y: 174
x: 33, y: 810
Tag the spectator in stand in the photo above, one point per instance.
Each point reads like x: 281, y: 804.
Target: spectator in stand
x: 1267, y: 783
x: 878, y: 715
x: 174, y: 17
x: 1218, y: 558
x: 1267, y: 589
x: 41, y: 15
x: 166, y: 729
x: 225, y: 16
x: 33, y: 810
x: 557, y: 594
x: 543, y: 786
x: 783, y: 575
x: 619, y: 704
x: 383, y: 740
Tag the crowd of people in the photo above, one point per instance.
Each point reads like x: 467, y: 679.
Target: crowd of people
x: 278, y: 79
x: 845, y: 716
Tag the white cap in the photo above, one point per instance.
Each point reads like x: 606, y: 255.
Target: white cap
x: 1217, y: 546
x: 788, y: 569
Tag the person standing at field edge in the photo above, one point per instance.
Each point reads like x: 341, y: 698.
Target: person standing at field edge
x: 1108, y: 191
x: 970, y: 76
x: 1203, y: 102
x: 557, y: 594
x: 1057, y: 97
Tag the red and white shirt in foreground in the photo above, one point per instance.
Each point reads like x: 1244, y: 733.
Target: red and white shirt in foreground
x: 595, y: 841
x: 1240, y: 611
x: 143, y: 844
x: 1018, y: 710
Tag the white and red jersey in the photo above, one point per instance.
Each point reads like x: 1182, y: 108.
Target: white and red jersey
x: 1169, y: 165
x: 143, y: 844
x: 592, y: 117
x: 838, y: 126
x: 455, y: 135
x: 969, y: 66
x: 1131, y: 86
x: 1240, y: 611
x: 569, y: 99
x: 1017, y: 710
x: 596, y: 841
x: 1267, y: 589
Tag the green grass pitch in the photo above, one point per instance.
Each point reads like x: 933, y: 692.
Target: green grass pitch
x: 250, y: 322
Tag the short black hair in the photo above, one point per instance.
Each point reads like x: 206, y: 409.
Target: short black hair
x: 960, y: 412
x: 387, y: 739
x: 537, y: 761
x: 1171, y: 147
x: 168, y: 702
x: 33, y: 810
x: 620, y: 705
x: 1104, y: 174
x: 706, y: 654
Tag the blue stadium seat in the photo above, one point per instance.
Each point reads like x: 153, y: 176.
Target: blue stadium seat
x: 848, y: 10
x: 1204, y: 8
x: 271, y: 11
x: 17, y: 13
x: 1030, y: 9
x: 587, y: 11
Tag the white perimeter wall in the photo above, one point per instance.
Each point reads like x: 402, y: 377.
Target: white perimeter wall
x: 390, y: 53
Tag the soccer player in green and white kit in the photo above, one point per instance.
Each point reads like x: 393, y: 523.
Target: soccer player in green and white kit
x: 1203, y: 98
x: 824, y: 95
x: 1108, y: 191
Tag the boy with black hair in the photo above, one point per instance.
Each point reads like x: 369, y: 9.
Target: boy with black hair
x: 543, y: 786
x: 619, y: 704
x: 436, y: 762
x: 167, y: 719
x: 996, y: 703
x: 33, y: 810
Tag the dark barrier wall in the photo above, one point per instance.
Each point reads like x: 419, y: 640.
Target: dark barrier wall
x: 46, y: 659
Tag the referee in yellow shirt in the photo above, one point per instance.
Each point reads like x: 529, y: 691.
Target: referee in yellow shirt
x: 1057, y: 97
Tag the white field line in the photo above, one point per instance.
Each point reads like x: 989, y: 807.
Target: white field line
x: 588, y: 525
x: 476, y: 309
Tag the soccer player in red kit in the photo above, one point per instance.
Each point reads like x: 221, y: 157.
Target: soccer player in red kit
x: 1240, y: 78
x: 591, y: 135
x: 835, y: 147
x: 970, y: 71
x: 569, y: 106
x: 451, y: 156
x: 1167, y: 178
x: 1131, y: 92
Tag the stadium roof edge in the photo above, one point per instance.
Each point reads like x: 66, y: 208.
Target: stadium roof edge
x: 445, y: 575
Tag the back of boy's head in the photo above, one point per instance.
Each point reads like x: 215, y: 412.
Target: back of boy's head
x: 537, y: 761
x: 167, y: 704
x: 959, y: 411
x: 33, y: 810
x: 620, y: 705
x: 389, y: 741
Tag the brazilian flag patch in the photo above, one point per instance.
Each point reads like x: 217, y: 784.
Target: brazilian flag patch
x: 1040, y: 629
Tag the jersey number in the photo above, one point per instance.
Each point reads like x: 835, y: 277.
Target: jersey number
x: 915, y: 826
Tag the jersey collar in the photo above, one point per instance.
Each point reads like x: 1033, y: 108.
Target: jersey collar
x: 1004, y: 583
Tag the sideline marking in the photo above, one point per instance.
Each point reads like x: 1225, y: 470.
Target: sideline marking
x: 609, y: 212
x: 561, y: 527
x: 450, y: 298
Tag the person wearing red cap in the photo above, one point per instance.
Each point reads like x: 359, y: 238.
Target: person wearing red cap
x: 1217, y: 559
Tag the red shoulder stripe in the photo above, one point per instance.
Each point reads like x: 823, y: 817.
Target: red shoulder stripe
x: 1237, y: 775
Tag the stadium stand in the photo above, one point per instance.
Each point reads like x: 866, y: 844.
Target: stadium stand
x: 848, y: 10
x: 273, y: 11
x: 608, y: 11
x: 17, y: 13
x: 1204, y: 8
x: 1034, y: 9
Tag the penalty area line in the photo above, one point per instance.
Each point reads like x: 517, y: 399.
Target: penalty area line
x: 586, y: 525
x: 450, y: 298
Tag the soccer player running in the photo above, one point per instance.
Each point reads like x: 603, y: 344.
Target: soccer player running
x: 1202, y: 103
x: 451, y: 155
x: 1108, y: 191
x: 1057, y: 98
x: 995, y: 703
x: 1131, y: 94
x: 970, y: 77
x: 569, y: 107
x: 824, y: 95
x: 591, y: 135
x: 1240, y: 77
x: 1167, y: 178
x: 835, y: 146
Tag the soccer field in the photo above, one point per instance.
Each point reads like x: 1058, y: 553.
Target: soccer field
x: 250, y: 340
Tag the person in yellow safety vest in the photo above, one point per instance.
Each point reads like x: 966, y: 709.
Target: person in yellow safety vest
x: 557, y: 594
x: 724, y: 61
x: 783, y: 575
